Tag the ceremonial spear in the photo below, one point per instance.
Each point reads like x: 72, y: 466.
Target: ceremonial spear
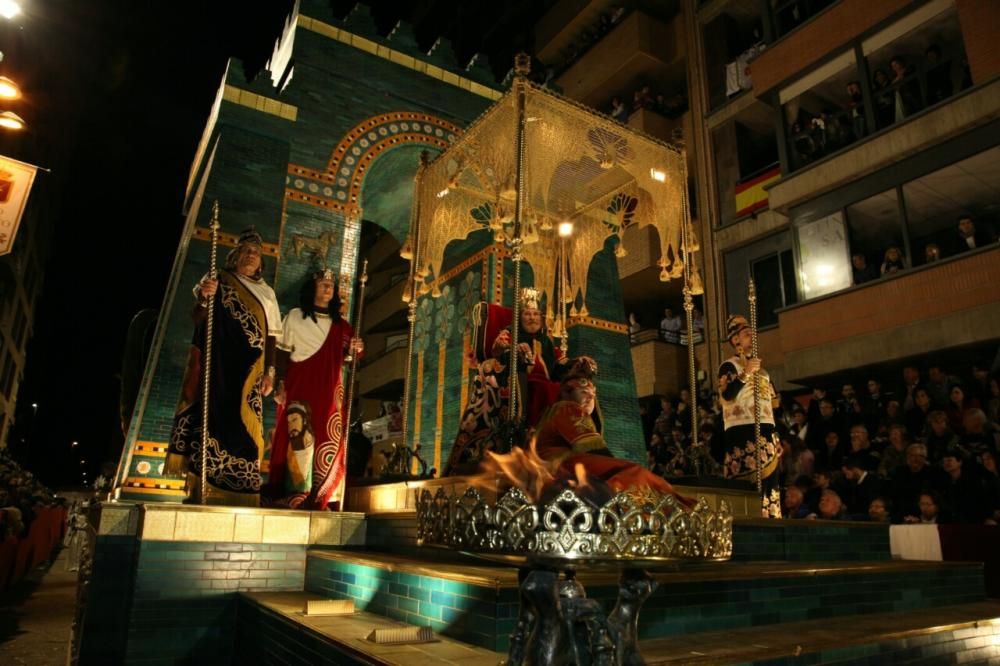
x: 752, y: 297
x: 207, y: 362
x: 353, y: 359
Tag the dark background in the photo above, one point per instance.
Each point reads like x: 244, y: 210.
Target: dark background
x: 116, y: 94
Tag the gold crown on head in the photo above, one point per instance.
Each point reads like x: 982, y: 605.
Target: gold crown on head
x: 531, y: 299
x: 324, y: 274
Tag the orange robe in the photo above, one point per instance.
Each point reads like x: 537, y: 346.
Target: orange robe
x: 568, y: 435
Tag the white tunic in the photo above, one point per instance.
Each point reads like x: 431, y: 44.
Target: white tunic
x: 262, y: 292
x: 302, y: 336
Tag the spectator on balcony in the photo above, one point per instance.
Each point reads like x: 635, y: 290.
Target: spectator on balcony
x: 932, y: 253
x: 928, y: 510
x: 979, y: 434
x: 794, y: 505
x: 831, y: 507
x: 939, y: 436
x: 848, y: 405
x: 800, y: 423
x: 861, y: 447
x: 878, y: 510
x: 802, y: 140
x: 861, y: 486
x: 893, y: 261
x: 831, y: 455
x: 894, y: 454
x: 699, y: 321
x: 969, y: 237
x: 939, y: 85
x: 856, y: 107
x: 993, y: 404
x: 911, y: 380
x: 884, y: 98
x: 916, y: 418
x: 958, y: 402
x: 619, y: 111
x: 670, y: 325
x: 939, y: 384
x: 966, y: 493
x: 875, y: 404
x: 633, y: 328
x: 863, y: 271
x: 991, y: 477
x: 979, y: 387
x: 907, y: 96
x: 913, y: 478
x: 667, y: 419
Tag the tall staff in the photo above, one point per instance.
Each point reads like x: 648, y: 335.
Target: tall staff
x: 213, y: 274
x: 752, y: 298
x: 349, y: 397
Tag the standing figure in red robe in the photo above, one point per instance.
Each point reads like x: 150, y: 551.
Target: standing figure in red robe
x: 315, y: 340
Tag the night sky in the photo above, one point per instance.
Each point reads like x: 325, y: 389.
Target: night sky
x: 116, y: 93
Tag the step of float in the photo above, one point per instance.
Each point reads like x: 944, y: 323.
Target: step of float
x: 753, y: 539
x: 272, y: 629
x: 477, y: 603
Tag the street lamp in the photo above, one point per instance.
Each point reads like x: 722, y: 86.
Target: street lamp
x: 9, y: 89
x: 10, y: 120
x: 9, y: 9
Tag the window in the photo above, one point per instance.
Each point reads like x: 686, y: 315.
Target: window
x: 876, y: 237
x: 774, y: 279
x: 916, y: 62
x: 823, y: 256
x: 731, y: 40
x: 20, y: 326
x: 823, y: 111
x: 770, y: 263
x: 7, y: 376
x: 935, y: 202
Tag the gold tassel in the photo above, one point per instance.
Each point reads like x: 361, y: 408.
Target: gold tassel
x: 406, y: 252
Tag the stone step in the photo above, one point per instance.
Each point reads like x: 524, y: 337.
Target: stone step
x: 753, y: 539
x: 273, y: 630
x: 477, y: 603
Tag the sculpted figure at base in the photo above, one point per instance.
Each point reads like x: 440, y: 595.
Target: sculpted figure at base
x: 246, y: 323
x: 736, y: 395
x: 308, y: 474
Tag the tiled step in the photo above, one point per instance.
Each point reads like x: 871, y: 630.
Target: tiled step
x: 753, y: 540
x: 477, y: 603
x: 968, y: 633
x: 273, y: 630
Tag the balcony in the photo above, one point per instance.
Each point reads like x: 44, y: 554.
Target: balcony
x: 972, y: 109
x: 564, y: 24
x: 639, y: 49
x: 660, y: 367
x: 935, y: 307
x: 382, y: 377
x: 386, y: 311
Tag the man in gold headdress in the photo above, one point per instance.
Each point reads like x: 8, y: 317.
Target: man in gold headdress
x: 736, y: 392
x: 246, y: 324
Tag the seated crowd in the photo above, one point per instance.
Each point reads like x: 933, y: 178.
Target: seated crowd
x: 923, y: 452
x: 21, y: 495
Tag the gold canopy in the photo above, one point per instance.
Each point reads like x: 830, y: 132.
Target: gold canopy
x: 579, y: 166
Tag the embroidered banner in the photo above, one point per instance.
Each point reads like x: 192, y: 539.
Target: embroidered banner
x: 16, y: 179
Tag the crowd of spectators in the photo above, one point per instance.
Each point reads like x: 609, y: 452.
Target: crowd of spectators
x: 968, y: 234
x: 896, y: 94
x: 604, y: 24
x: 21, y: 495
x: 644, y: 98
x: 920, y: 449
